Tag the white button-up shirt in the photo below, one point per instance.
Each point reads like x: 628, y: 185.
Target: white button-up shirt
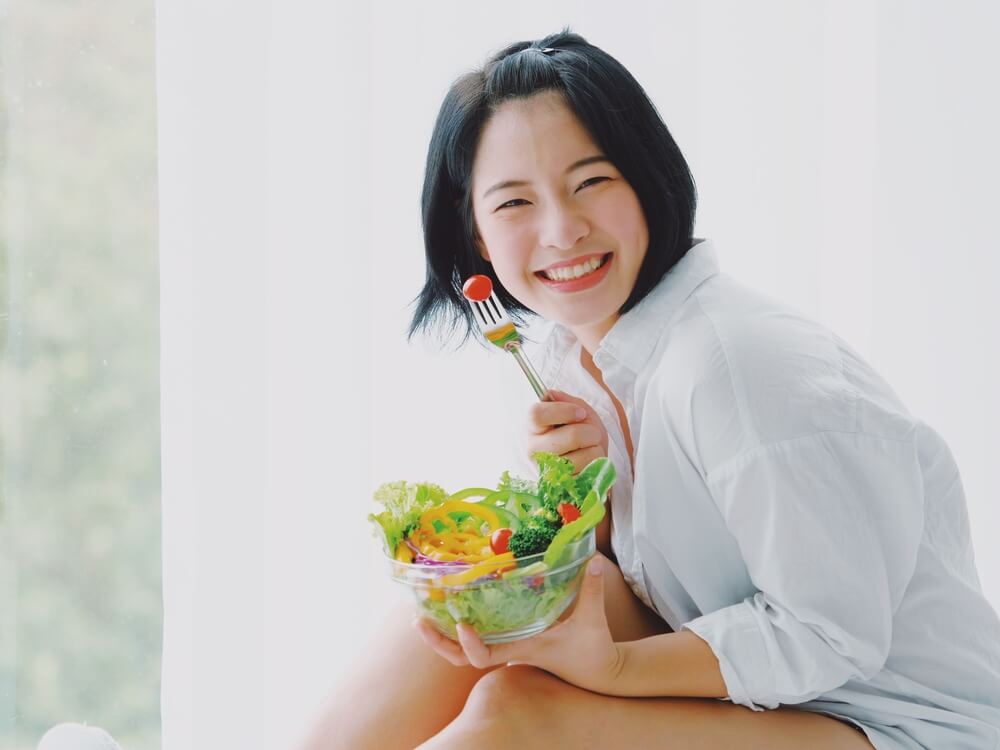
x: 788, y: 509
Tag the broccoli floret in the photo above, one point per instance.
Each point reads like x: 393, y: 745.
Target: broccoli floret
x: 533, y: 537
x: 548, y: 515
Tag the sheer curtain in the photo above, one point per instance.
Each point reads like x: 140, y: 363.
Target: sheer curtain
x: 844, y: 154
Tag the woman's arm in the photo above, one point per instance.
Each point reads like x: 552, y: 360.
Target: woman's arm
x: 582, y: 651
x: 673, y: 664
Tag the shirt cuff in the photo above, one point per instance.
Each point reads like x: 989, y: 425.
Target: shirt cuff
x: 734, y: 638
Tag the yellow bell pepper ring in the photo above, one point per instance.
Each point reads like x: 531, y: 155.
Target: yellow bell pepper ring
x: 443, y: 555
x: 434, y: 514
x: 490, y: 565
x: 449, y: 541
x: 440, y: 513
x: 439, y: 549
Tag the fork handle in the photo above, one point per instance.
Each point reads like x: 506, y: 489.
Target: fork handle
x: 536, y: 382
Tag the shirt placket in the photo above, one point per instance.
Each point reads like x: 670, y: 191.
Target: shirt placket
x: 621, y: 382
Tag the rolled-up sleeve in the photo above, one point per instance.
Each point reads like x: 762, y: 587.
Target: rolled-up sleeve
x: 829, y: 526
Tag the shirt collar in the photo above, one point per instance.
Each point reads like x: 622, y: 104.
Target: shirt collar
x: 634, y: 336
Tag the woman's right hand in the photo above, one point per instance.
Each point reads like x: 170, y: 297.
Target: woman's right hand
x: 568, y: 427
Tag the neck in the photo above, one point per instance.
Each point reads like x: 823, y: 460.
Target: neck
x: 591, y: 336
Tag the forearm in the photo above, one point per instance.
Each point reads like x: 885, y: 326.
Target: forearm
x: 672, y: 664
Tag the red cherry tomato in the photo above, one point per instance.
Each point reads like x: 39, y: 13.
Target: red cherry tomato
x: 478, y: 288
x: 569, y: 512
x: 500, y: 541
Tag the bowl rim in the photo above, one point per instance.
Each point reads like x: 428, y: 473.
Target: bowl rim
x: 522, y: 562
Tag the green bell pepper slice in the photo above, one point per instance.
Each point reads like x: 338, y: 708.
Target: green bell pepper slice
x: 469, y: 492
x: 601, y: 473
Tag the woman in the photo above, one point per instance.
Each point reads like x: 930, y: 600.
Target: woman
x: 784, y: 536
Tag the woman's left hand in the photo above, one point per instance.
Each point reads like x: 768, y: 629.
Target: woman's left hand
x: 579, y: 649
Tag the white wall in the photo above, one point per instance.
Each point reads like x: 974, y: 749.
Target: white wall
x: 846, y: 158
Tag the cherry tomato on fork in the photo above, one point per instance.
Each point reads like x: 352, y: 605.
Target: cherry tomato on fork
x: 500, y: 541
x: 478, y: 288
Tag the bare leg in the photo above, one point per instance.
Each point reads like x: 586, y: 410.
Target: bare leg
x: 397, y: 697
x: 628, y: 618
x: 541, y: 711
x: 404, y: 693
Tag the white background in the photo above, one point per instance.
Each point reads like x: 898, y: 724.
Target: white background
x: 846, y: 156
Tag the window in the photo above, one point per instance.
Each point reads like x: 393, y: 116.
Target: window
x: 80, y: 601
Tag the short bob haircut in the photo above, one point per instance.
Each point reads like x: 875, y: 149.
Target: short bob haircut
x: 615, y: 111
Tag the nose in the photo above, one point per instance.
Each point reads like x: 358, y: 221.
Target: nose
x: 562, y: 227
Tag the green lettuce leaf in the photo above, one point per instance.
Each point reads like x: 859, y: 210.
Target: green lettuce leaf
x: 596, y: 477
x: 556, y: 483
x: 503, y: 605
x: 516, y: 484
x: 404, y: 503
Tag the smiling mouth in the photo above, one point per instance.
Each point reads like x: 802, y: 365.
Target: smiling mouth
x: 572, y: 273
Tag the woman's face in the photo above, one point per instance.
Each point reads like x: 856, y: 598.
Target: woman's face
x: 562, y: 228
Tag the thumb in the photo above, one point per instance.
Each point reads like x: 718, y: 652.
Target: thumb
x: 562, y: 396
x: 592, y: 416
x: 554, y: 395
x: 590, y: 605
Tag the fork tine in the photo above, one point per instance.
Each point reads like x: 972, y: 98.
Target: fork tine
x: 498, y: 328
x: 487, y: 312
x: 495, y: 302
x: 478, y: 307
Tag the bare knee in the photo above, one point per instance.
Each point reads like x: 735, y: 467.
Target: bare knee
x: 519, y: 687
x: 510, y: 702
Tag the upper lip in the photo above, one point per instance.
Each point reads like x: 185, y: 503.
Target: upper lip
x: 572, y: 262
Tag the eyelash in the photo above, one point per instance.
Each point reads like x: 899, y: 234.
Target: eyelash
x: 592, y: 181
x: 586, y: 183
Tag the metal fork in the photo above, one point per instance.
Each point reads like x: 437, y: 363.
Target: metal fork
x: 498, y: 328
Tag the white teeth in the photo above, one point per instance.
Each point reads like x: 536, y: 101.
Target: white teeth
x: 565, y: 273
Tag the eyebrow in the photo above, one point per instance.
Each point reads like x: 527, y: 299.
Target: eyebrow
x: 521, y: 183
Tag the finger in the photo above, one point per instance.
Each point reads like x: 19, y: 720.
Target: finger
x: 566, y: 439
x: 444, y: 647
x: 477, y: 652
x: 590, y: 600
x: 583, y: 456
x: 554, y: 395
x: 543, y: 415
x: 591, y: 586
x: 480, y: 655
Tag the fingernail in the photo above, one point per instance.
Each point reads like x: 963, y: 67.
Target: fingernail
x: 581, y: 413
x: 594, y: 567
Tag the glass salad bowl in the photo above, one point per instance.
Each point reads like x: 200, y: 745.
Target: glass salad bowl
x: 505, y: 604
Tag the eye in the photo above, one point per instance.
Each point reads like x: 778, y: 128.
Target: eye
x: 592, y: 181
x: 512, y: 203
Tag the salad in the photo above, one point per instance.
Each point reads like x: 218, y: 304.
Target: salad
x: 504, y: 560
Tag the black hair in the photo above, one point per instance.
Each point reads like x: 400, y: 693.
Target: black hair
x: 618, y: 115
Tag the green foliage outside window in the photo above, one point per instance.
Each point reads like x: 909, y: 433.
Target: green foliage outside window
x: 80, y: 594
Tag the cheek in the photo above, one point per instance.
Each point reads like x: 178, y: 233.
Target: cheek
x: 509, y: 249
x: 625, y: 215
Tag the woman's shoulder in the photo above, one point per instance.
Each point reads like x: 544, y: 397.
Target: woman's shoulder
x: 750, y: 371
